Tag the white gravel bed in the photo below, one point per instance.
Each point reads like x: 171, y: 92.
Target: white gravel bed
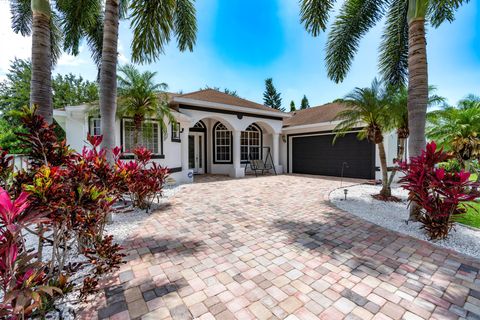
x: 393, y: 216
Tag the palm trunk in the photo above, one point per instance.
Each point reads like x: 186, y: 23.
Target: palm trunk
x: 108, y: 76
x: 41, y: 83
x: 400, y: 153
x: 386, y: 192
x: 417, y: 92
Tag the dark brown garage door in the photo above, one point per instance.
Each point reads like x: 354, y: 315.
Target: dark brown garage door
x: 317, y: 155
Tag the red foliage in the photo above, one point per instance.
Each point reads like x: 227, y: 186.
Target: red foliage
x: 144, y: 179
x: 69, y: 198
x: 438, y: 192
x: 22, y: 281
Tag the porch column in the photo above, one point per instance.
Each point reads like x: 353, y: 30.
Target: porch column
x: 184, y: 139
x: 237, y: 171
x: 276, y: 152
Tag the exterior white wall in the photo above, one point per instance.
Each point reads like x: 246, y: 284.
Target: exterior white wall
x: 232, y: 122
x: 75, y: 123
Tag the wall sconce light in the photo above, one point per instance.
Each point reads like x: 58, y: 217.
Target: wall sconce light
x: 182, y: 129
x: 284, y: 138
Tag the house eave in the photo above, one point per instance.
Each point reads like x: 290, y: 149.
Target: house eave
x: 221, y: 106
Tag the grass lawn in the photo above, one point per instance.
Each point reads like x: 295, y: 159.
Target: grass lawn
x: 472, y: 217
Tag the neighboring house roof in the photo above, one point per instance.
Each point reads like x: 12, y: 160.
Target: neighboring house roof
x: 215, y: 96
x: 319, y: 114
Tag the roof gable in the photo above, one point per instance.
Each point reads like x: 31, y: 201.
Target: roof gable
x: 314, y: 115
x: 215, y: 96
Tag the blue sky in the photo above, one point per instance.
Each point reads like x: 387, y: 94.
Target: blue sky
x: 243, y: 42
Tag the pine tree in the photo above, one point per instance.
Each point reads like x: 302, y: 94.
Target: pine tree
x: 304, y: 104
x: 271, y: 97
x: 292, y: 106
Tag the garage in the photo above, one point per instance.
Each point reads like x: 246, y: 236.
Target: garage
x: 316, y: 154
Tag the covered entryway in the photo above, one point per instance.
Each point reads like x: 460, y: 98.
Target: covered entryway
x: 316, y: 154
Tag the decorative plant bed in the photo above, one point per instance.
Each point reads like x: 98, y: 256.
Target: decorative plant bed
x: 394, y: 216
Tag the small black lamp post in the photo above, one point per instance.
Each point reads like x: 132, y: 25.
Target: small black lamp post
x: 345, y: 191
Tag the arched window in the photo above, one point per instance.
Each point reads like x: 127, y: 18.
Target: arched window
x: 251, y: 143
x: 223, y: 143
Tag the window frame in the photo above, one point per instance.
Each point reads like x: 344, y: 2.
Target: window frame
x: 129, y: 155
x: 179, y: 131
x: 214, y: 136
x: 260, y: 141
x: 91, y: 126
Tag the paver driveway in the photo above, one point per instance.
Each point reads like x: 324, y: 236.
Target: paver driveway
x: 273, y: 247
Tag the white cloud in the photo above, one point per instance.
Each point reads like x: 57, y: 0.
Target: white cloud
x: 13, y: 45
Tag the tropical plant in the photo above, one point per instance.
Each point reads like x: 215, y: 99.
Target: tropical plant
x: 23, y: 282
x: 368, y: 108
x: 153, y: 24
x: 437, y: 191
x: 304, y: 104
x: 398, y: 115
x: 144, y: 179
x: 272, y: 98
x: 73, y: 193
x: 457, y: 129
x: 54, y: 25
x: 292, y: 106
x: 141, y: 97
x: 402, y: 50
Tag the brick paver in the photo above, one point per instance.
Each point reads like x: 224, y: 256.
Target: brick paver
x: 274, y: 248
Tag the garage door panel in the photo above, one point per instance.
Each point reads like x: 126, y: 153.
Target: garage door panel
x: 317, y: 155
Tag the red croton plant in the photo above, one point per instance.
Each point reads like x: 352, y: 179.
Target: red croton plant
x: 63, y: 199
x: 438, y: 193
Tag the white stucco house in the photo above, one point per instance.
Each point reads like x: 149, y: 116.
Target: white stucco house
x: 218, y: 134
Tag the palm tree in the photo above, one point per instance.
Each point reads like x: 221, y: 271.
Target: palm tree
x: 141, y: 97
x: 51, y: 23
x: 402, y: 50
x: 153, y: 23
x: 457, y: 129
x: 398, y: 115
x: 368, y: 107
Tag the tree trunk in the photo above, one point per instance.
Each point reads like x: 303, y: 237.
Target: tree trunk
x: 41, y: 83
x: 400, y: 153
x: 386, y: 192
x: 108, y: 76
x: 417, y: 92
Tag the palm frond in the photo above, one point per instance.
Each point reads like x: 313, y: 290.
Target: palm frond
x: 314, y: 15
x: 440, y: 11
x: 356, y: 17
x: 21, y: 11
x: 366, y: 107
x: 185, y: 24
x: 77, y: 17
x: 94, y: 38
x: 123, y: 7
x: 393, y: 61
x: 152, y: 23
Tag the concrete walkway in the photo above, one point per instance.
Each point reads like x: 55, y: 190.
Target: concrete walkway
x: 274, y: 248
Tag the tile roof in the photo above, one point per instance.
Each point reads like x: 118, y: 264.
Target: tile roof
x: 323, y: 113
x: 215, y: 96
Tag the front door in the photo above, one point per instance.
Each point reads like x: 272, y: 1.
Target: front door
x: 196, y: 152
